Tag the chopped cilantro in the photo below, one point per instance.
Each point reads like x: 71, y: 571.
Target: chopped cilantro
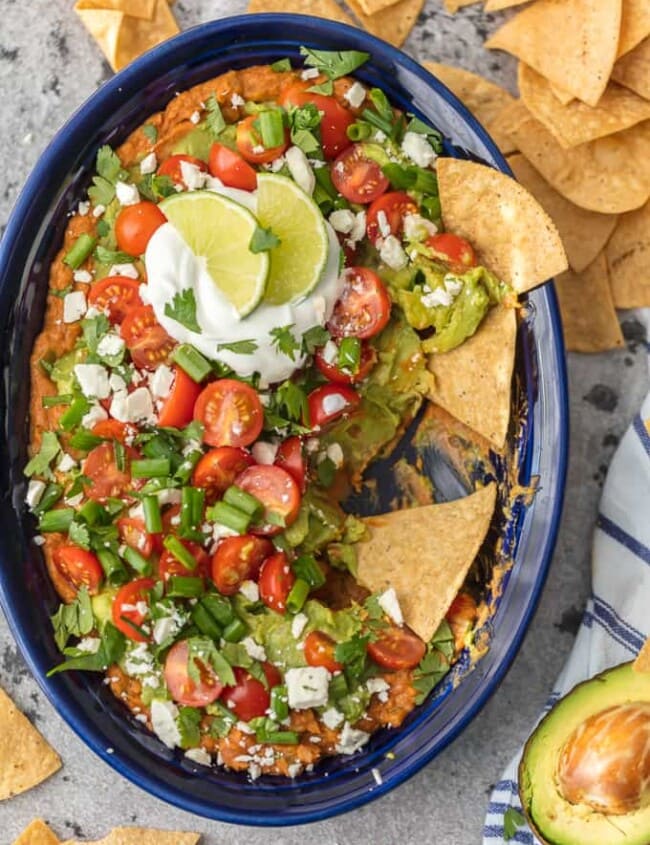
x: 334, y: 63
x: 155, y: 188
x: 204, y: 649
x: 433, y: 136
x: 285, y: 341
x: 150, y: 132
x: 103, y: 228
x: 435, y: 663
x: 182, y: 308
x: 101, y: 192
x: 281, y: 65
x: 79, y: 534
x: 240, y: 347
x: 326, y: 472
x: 40, y: 463
x: 74, y: 619
x: 292, y: 399
x: 313, y: 338
x: 326, y: 88
x: 111, y: 649
x: 263, y: 240
x: 512, y: 820
x: 189, y: 721
x: 305, y: 117
x: 110, y: 256
x: 352, y: 654
x: 94, y: 329
x: 215, y: 120
x: 109, y: 165
x: 222, y: 719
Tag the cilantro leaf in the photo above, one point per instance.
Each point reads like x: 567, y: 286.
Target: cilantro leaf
x: 222, y: 719
x: 313, y: 338
x: 292, y: 399
x: 263, y: 240
x: 189, y: 720
x: 79, y: 534
x: 305, y: 117
x: 154, y: 187
x: 94, y: 329
x: 150, y: 132
x: 110, y: 256
x: 74, y: 619
x: 182, y: 308
x: 103, y: 228
x: 109, y: 165
x: 281, y: 65
x: 352, y: 654
x: 512, y: 820
x: 214, y: 120
x: 111, y: 650
x: 326, y: 88
x: 334, y: 63
x: 240, y: 347
x: 285, y: 341
x: 326, y: 472
x: 40, y: 463
x: 204, y: 650
x: 435, y: 664
x: 101, y: 192
x: 433, y: 136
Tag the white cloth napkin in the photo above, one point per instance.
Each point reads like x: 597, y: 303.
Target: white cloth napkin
x: 616, y: 621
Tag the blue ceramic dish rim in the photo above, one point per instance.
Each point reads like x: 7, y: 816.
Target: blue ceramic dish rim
x: 408, y: 766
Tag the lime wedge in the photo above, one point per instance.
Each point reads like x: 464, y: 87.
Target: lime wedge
x: 298, y: 262
x: 220, y: 230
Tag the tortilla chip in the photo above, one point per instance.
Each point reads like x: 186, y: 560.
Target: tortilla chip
x: 572, y: 43
x: 560, y: 94
x: 578, y: 123
x: 584, y: 233
x: 483, y: 98
x: 633, y: 70
x: 628, y: 256
x: 610, y: 175
x: 588, y: 316
x: 635, y: 25
x: 452, y: 6
x: 371, y: 7
x: 37, y: 833
x: 481, y: 399
x: 135, y: 8
x: 642, y: 662
x: 498, y: 5
x: 26, y: 757
x: 425, y: 554
x: 319, y: 8
x: 141, y: 836
x: 136, y: 36
x: 104, y: 27
x: 512, y: 234
x: 393, y: 24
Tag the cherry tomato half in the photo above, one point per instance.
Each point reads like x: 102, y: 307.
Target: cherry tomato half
x: 136, y: 224
x: 249, y: 143
x: 454, y: 250
x: 334, y: 121
x: 249, y: 698
x: 113, y: 430
x: 217, y: 469
x: 238, y: 559
x: 105, y: 479
x: 319, y: 651
x: 129, y: 611
x: 277, y: 491
x: 132, y: 531
x: 147, y: 341
x: 231, y: 168
x: 79, y: 567
x: 332, y: 371
x: 231, y: 413
x: 358, y: 178
x: 276, y: 581
x: 171, y: 167
x: 115, y: 294
x: 178, y: 409
x: 329, y: 402
x: 183, y: 689
x: 394, y: 205
x: 168, y: 565
x: 397, y: 648
x: 290, y: 456
x: 363, y: 308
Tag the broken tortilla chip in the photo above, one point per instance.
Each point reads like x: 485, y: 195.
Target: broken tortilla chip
x: 141, y: 836
x: 104, y: 27
x: 512, y: 234
x: 428, y: 570
x: 26, y: 757
x: 37, y: 833
x: 394, y: 23
x: 584, y: 233
x: 136, y: 36
x: 578, y: 123
x: 481, y: 399
x: 560, y: 94
x: 587, y: 308
x: 572, y: 43
x: 635, y: 25
x: 371, y: 7
x: 499, y: 5
x: 642, y: 662
x: 452, y: 6
x: 633, y: 70
x: 628, y: 257
x: 483, y: 98
x: 319, y: 8
x: 135, y: 8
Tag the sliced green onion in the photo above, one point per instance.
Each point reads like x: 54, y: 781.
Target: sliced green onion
x: 359, y: 131
x: 306, y: 567
x: 280, y: 702
x: 114, y: 569
x: 231, y: 517
x: 243, y: 501
x: 150, y: 468
x: 80, y: 251
x: 137, y: 561
x: 431, y: 207
x: 186, y: 469
x: 271, y: 128
x: 152, y: 516
x: 75, y: 413
x: 58, y: 521
x: 324, y: 181
x: 350, y: 354
x: 120, y: 455
x: 190, y: 360
x: 205, y: 622
x: 92, y: 512
x: 178, y: 550
x: 85, y: 441
x: 235, y: 631
x: 50, y: 497
x: 381, y: 104
x: 426, y: 182
x: 298, y: 596
x: 219, y: 607
x: 338, y: 687
x: 377, y: 121
x: 53, y: 401
x: 158, y: 447
x: 281, y: 737
x: 192, y: 500
x: 184, y: 587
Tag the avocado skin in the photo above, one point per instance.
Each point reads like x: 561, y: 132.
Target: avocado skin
x: 618, y: 685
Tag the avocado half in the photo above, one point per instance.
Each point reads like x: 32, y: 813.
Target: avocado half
x: 584, y: 777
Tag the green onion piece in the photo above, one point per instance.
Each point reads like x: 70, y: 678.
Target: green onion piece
x: 350, y: 354
x: 243, y: 501
x: 75, y: 413
x: 271, y: 128
x: 192, y: 500
x: 338, y: 687
x: 377, y: 121
x: 229, y: 516
x: 158, y: 447
x: 178, y: 550
x: 280, y: 702
x: 58, y: 521
x: 53, y: 401
x: 431, y: 207
x: 281, y: 65
x: 150, y: 468
x: 85, y: 441
x: 324, y: 181
x: 184, y: 587
x: 425, y: 182
x: 190, y: 360
x: 306, y: 567
x: 120, y: 455
x: 80, y: 251
x: 114, y: 569
x: 152, y: 517
x: 50, y: 497
x: 381, y: 104
x: 298, y: 596
x: 281, y: 737
x: 359, y: 131
x: 92, y: 512
x: 186, y: 469
x: 205, y: 622
x: 219, y: 607
x: 137, y: 561
x: 235, y: 631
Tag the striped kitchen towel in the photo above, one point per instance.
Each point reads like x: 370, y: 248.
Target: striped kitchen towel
x: 616, y: 620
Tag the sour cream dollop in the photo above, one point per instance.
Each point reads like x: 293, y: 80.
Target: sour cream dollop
x: 172, y: 267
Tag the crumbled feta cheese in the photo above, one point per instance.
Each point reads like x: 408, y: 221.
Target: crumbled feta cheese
x: 137, y: 511
x: 392, y: 254
x: 335, y: 454
x: 169, y: 496
x: 435, y: 297
x: 126, y: 194
x: 312, y: 445
x: 82, y: 276
x: 377, y: 776
x: 253, y: 649
x: 250, y: 590
x: 110, y: 346
x: 417, y: 228
x: 161, y: 381
x: 34, y: 493
x: 453, y: 285
x: 355, y: 95
x: 378, y: 686
x: 294, y: 769
x: 383, y: 224
x: 418, y: 149
x: 379, y: 136
x: 98, y: 210
x: 330, y: 352
x: 199, y: 755
x: 89, y: 645
x: 307, y: 687
x: 351, y: 740
x: 163, y: 722
x: 193, y: 177
x: 133, y: 407
x: 310, y: 73
x: 164, y: 628
x: 277, y: 164
x: 236, y: 101
x: 264, y: 452
x: 332, y: 718
x: 39, y: 540
x: 75, y: 501
x: 258, y: 149
x: 220, y: 531
x: 390, y: 605
x: 74, y: 306
x: 195, y: 117
x: 66, y: 463
x: 254, y: 770
x: 116, y: 382
x: 83, y: 208
x: 149, y: 164
x: 319, y: 305
x: 300, y: 170
x: 128, y: 271
x: 358, y: 231
x: 342, y: 220
x: 298, y: 624
x: 333, y: 403
x: 93, y: 380
x: 139, y: 660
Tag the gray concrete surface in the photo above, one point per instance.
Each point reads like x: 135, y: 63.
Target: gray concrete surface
x: 48, y: 66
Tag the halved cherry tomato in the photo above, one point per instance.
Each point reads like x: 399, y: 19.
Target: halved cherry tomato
x: 238, y: 559
x: 132, y: 531
x: 231, y: 168
x: 115, y: 294
x: 79, y: 567
x: 231, y: 413
x: 319, y: 651
x: 454, y: 250
x: 333, y: 372
x: 182, y: 688
x: 273, y: 676
x: 290, y: 456
x: 397, y: 648
x: 277, y: 491
x: 113, y: 430
x: 249, y: 698
x: 148, y: 343
x: 217, y: 469
x: 395, y: 205
x: 335, y: 118
x: 276, y: 581
x: 129, y: 611
x: 249, y: 143
x: 135, y: 225
x: 171, y: 167
x: 168, y: 565
x: 178, y: 408
x: 105, y: 479
x: 363, y: 308
x: 358, y: 178
x: 329, y: 402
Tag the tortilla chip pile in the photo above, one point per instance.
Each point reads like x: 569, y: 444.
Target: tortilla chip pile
x: 38, y: 833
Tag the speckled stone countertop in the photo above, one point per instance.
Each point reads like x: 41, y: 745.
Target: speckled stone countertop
x: 48, y: 66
